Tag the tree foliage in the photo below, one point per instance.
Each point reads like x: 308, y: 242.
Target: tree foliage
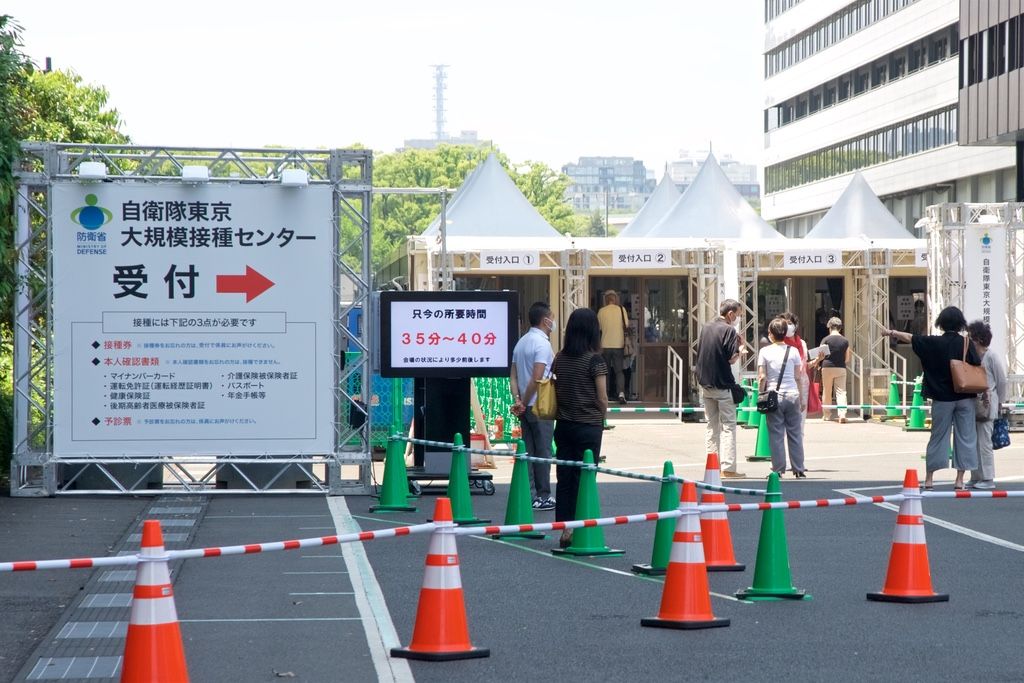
x: 398, y: 216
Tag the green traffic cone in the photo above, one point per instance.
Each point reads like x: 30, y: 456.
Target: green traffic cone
x: 665, y: 528
x: 394, y: 492
x: 892, y: 408
x: 762, y: 447
x: 753, y: 417
x: 915, y: 422
x: 520, y: 507
x: 588, y: 541
x: 458, y: 487
x: 772, y: 580
x: 741, y: 413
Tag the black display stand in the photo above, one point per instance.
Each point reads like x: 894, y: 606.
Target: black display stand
x: 441, y: 409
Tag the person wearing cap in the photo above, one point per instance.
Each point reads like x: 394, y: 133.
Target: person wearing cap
x: 834, y: 356
x: 612, y: 319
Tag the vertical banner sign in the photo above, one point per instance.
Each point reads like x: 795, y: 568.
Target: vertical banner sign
x: 192, y: 319
x: 985, y: 282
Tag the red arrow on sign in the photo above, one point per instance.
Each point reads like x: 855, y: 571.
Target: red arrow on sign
x: 252, y: 284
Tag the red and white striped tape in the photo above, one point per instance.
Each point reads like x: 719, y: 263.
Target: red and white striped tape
x: 253, y: 548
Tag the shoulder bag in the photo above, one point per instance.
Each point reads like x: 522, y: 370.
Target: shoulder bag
x: 628, y: 347
x: 546, y: 406
x: 1000, y: 433
x: 770, y: 402
x: 967, y: 378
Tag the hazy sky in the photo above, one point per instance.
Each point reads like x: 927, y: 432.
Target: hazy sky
x: 550, y: 80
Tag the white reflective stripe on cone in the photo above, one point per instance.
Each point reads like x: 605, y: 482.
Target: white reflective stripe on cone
x: 909, y: 533
x: 153, y: 612
x: 442, y: 578
x: 152, y: 574
x: 690, y: 551
x: 442, y: 544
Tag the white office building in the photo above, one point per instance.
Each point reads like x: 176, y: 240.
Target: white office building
x: 869, y: 86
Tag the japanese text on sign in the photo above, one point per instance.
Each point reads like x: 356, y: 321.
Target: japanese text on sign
x: 641, y: 258
x: 509, y: 260
x: 809, y: 260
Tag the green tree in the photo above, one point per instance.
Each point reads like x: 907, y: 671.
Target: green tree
x: 54, y: 106
x: 597, y: 226
x: 398, y: 216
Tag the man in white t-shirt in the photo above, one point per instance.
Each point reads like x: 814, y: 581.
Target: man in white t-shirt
x: 786, y: 424
x: 531, y: 361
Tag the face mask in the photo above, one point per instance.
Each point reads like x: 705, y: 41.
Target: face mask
x: 790, y: 330
x: 551, y: 321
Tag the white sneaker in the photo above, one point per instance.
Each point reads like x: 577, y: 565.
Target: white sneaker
x: 987, y: 485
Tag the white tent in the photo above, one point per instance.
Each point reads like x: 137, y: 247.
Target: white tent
x: 712, y: 208
x: 859, y: 213
x: 489, y: 204
x: 654, y: 209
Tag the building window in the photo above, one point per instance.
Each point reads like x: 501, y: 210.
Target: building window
x: 886, y: 69
x: 826, y: 33
x: 933, y: 130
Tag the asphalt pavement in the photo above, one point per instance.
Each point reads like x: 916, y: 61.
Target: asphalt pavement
x: 314, y: 614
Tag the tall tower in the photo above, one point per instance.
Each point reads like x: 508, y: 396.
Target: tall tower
x: 440, y: 76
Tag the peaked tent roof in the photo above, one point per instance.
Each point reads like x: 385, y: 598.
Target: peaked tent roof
x: 489, y: 203
x: 712, y: 208
x: 859, y: 213
x: 656, y: 206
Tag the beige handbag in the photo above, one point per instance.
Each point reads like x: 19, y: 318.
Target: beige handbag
x: 967, y: 378
x: 546, y: 407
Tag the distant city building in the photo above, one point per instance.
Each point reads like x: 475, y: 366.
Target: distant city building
x: 466, y: 137
x: 618, y: 183
x: 742, y: 176
x: 887, y: 88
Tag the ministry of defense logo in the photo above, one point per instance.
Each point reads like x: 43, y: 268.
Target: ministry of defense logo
x: 91, y: 216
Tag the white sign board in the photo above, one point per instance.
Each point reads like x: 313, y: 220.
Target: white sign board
x: 509, y: 260
x: 774, y: 304
x: 811, y: 259
x: 192, y: 319
x: 641, y: 258
x: 904, y: 307
x: 447, y: 334
x: 985, y: 282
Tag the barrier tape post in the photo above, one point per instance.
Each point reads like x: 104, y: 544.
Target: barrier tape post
x: 153, y: 649
x: 394, y: 491
x: 588, y: 541
x: 762, y: 447
x: 686, y: 598
x: 668, y: 499
x: 441, y: 632
x: 909, y: 577
x: 915, y: 421
x: 458, y: 486
x: 714, y: 526
x: 772, y: 578
x: 519, y: 509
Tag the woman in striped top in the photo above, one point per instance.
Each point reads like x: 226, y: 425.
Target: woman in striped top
x: 580, y: 386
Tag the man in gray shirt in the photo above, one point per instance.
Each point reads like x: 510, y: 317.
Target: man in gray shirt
x: 531, y: 361
x: 718, y: 348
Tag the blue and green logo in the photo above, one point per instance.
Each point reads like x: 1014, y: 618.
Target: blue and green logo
x: 986, y: 240
x: 91, y: 216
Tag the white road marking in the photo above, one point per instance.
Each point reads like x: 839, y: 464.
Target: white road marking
x: 259, y: 619
x: 307, y: 573
x: 326, y: 593
x: 971, y: 533
x: 380, y: 630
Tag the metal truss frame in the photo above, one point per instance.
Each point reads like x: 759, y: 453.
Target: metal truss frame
x: 946, y: 234
x: 37, y: 471
x: 575, y: 266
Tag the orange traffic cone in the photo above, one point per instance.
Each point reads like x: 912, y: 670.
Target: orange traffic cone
x: 714, y: 526
x: 441, y: 633
x: 153, y: 650
x: 909, y: 578
x: 686, y: 600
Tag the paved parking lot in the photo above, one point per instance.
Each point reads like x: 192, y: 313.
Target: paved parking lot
x: 316, y: 613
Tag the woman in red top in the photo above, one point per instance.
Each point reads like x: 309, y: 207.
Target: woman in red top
x: 813, y: 399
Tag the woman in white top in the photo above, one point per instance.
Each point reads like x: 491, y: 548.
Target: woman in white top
x: 785, y: 425
x: 995, y: 371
